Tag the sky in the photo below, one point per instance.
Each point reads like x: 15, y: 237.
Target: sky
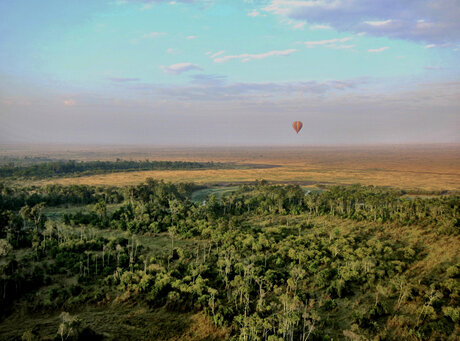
x: 229, y: 72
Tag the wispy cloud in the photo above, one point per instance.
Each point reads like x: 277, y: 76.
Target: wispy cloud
x: 429, y: 67
x: 245, y: 57
x: 217, y: 54
x: 191, y: 37
x: 146, y: 7
x: 177, y: 69
x: 148, y: 4
x: 330, y: 43
x: 152, y: 2
x: 422, y: 20
x: 153, y: 34
x: 379, y: 23
x: 299, y: 25
x: 320, y: 27
x: 123, y: 79
x: 295, y: 24
x: 208, y: 80
x: 344, y: 47
x: 216, y: 88
x: 254, y: 13
x: 380, y: 49
x: 430, y: 46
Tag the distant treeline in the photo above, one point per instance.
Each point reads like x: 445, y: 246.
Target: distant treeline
x: 24, y: 161
x: 73, y: 168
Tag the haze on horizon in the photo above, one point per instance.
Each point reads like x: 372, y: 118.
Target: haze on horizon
x: 217, y: 72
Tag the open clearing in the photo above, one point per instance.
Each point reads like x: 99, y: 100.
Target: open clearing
x: 430, y: 167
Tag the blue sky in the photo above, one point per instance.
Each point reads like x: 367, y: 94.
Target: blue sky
x: 229, y: 72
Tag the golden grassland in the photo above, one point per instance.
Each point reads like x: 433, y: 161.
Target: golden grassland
x: 122, y: 321
x: 427, y: 167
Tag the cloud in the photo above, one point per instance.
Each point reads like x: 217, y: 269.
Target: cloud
x: 430, y: 46
x: 153, y: 34
x: 245, y: 57
x: 330, y: 43
x: 123, y: 79
x: 70, y: 102
x: 326, y: 42
x: 254, y: 13
x: 428, y: 67
x: 120, y: 2
x: 426, y: 21
x: 296, y: 25
x: 379, y: 23
x: 206, y: 88
x: 191, y: 37
x: 380, y: 49
x: 148, y: 4
x: 208, y: 80
x: 344, y: 47
x: 177, y: 69
x: 299, y: 25
x: 217, y: 54
x: 320, y: 27
x: 146, y: 7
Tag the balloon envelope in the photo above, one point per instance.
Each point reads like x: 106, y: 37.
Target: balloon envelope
x: 297, y: 125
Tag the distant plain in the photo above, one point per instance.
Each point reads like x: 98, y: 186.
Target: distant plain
x: 425, y: 167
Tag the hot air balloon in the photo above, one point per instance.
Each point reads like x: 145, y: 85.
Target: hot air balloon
x: 297, y: 125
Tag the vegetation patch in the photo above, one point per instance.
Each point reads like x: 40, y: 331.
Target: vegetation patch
x: 262, y: 262
x: 51, y: 169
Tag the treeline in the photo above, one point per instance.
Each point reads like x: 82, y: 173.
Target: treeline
x: 153, y: 211
x: 11, y: 161
x: 78, y: 168
x: 361, y: 203
x: 15, y: 197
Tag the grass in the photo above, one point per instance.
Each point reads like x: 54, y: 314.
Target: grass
x: 285, y: 174
x: 203, y: 194
x: 56, y: 213
x: 118, y: 321
x: 430, y: 168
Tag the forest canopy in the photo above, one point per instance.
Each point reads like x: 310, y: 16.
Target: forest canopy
x: 77, y: 168
x: 264, y: 262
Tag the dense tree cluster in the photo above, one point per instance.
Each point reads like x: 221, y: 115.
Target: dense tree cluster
x: 268, y: 262
x: 150, y: 204
x: 14, y: 197
x: 72, y: 167
x: 352, y: 202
